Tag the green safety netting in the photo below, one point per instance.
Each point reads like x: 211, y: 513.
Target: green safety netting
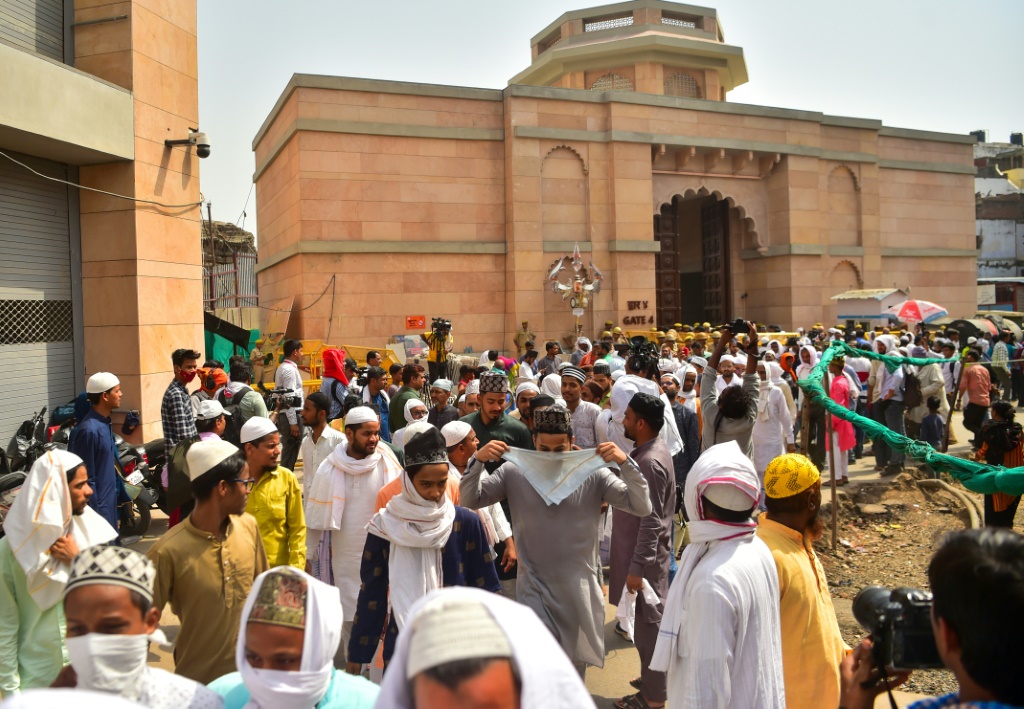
x: 976, y: 477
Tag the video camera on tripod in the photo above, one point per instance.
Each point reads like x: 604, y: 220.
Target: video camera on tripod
x: 440, y: 325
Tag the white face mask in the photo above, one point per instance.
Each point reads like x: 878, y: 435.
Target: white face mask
x: 110, y: 663
x: 285, y: 690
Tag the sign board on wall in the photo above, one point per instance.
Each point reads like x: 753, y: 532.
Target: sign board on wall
x: 415, y: 322
x: 987, y: 294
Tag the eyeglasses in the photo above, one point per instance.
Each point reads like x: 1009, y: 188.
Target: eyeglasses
x: 248, y: 483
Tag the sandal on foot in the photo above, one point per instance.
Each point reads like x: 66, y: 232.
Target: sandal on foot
x: 634, y: 701
x: 635, y: 683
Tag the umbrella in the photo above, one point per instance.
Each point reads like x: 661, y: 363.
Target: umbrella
x: 915, y: 311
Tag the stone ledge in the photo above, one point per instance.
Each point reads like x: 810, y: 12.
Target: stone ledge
x: 554, y: 247
x: 634, y: 246
x: 382, y: 247
x: 948, y: 167
x: 915, y: 134
x: 894, y: 252
x: 400, y: 130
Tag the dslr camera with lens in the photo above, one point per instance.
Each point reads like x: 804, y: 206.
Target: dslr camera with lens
x: 738, y: 326
x: 901, y: 627
x: 283, y: 398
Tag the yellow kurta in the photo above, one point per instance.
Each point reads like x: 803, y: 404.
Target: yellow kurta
x: 812, y: 647
x: 276, y: 503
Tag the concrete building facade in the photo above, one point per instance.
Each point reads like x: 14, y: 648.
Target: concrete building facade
x: 89, y: 281
x: 452, y: 201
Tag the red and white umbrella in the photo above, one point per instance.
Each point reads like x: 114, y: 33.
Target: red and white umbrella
x: 916, y: 311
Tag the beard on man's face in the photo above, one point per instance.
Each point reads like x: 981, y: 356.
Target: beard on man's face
x: 816, y: 527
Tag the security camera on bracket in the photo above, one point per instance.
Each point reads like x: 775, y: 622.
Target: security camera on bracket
x: 195, y: 138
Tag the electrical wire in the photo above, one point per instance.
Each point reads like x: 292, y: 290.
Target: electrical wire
x: 330, y: 284
x: 109, y: 194
x: 241, y: 216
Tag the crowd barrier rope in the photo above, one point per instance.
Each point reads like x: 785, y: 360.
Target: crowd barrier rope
x: 976, y: 477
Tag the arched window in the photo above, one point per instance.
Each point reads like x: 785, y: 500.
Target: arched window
x: 682, y: 85
x: 612, y: 82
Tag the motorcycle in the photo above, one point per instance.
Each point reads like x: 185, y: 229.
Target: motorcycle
x: 25, y: 448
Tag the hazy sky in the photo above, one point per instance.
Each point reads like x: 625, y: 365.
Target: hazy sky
x: 944, y: 65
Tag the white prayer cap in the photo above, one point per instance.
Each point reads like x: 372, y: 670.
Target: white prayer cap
x: 445, y: 384
x: 618, y: 374
x: 526, y: 386
x: 698, y: 362
x: 101, y: 382
x: 203, y: 456
x: 358, y: 415
x: 462, y: 398
x: 451, y: 630
x: 412, y: 429
x: 211, y: 409
x: 256, y: 427
x: 473, y: 387
x: 563, y: 365
x: 455, y: 432
x: 725, y: 476
x: 971, y: 340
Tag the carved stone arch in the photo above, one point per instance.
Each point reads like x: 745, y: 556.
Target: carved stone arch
x: 571, y: 149
x: 754, y: 219
x: 853, y: 267
x: 850, y: 170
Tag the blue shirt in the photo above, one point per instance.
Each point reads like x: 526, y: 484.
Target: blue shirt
x: 953, y: 700
x: 385, y: 421
x: 932, y: 430
x: 93, y: 442
x: 345, y: 692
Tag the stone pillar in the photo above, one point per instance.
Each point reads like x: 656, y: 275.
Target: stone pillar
x: 142, y: 264
x: 630, y: 188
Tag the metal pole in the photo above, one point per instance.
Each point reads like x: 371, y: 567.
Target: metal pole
x: 956, y: 399
x: 831, y: 464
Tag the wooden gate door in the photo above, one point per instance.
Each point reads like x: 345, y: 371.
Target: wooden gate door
x: 666, y: 265
x: 714, y: 232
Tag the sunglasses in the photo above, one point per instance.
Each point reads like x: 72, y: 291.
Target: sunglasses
x: 248, y: 483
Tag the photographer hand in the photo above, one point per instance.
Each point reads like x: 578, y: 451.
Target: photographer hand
x: 860, y: 682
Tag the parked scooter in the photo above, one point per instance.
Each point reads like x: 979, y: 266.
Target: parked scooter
x: 25, y: 448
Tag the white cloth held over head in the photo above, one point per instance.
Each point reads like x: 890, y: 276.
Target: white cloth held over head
x: 548, y: 677
x: 410, y: 406
x: 308, y: 686
x: 40, y: 515
x: 721, y: 465
x: 418, y: 529
x: 555, y: 476
x: 622, y: 394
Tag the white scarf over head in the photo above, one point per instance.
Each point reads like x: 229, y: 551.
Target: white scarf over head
x: 687, y: 398
x: 326, y: 504
x: 722, y: 464
x: 548, y: 677
x: 305, y: 688
x: 40, y: 515
x: 622, y: 394
x: 418, y: 529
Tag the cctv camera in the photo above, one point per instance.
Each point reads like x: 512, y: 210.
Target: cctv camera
x: 202, y: 144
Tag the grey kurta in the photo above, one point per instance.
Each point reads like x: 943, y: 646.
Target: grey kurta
x: 557, y: 546
x: 641, y: 546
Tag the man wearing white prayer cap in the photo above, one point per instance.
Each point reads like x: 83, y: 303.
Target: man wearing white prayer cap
x: 462, y: 443
x: 48, y: 523
x: 720, y: 639
x: 206, y: 565
x: 342, y: 499
x: 467, y: 647
x: 555, y: 495
x: 93, y: 442
x: 111, y: 620
x: 276, y: 498
x: 441, y: 412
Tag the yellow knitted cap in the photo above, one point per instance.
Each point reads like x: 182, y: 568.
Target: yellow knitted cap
x: 788, y: 475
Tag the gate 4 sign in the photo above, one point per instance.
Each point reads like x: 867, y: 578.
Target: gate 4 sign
x: 415, y: 322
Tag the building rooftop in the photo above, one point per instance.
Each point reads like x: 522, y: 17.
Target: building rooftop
x: 867, y: 294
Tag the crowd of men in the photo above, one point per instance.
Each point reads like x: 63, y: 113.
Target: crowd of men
x: 448, y: 540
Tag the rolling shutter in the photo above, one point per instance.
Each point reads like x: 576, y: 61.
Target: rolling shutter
x: 34, y: 25
x: 37, y: 355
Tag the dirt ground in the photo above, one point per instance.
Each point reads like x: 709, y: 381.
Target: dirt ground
x: 887, y: 532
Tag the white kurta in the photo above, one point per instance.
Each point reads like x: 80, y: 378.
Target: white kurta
x: 773, y: 429
x: 730, y: 655
x: 347, y: 543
